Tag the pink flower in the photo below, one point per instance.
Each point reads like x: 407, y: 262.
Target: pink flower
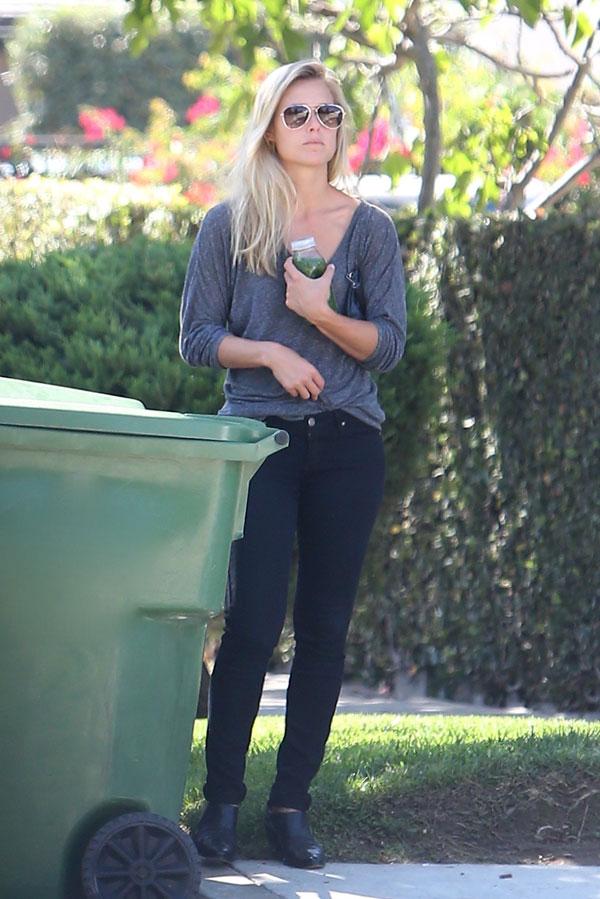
x: 580, y: 130
x: 97, y: 123
x: 170, y: 172
x: 398, y: 146
x: 584, y: 179
x: 201, y: 193
x: 356, y: 156
x: 155, y: 171
x: 205, y: 105
x: 380, y: 139
x: 91, y: 129
x: 112, y: 119
x: 5, y: 152
x: 576, y: 152
x: 150, y: 161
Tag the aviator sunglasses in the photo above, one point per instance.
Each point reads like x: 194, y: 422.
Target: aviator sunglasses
x: 330, y: 115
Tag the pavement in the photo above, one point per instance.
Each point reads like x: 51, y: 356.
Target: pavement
x: 259, y: 879
x: 269, y: 880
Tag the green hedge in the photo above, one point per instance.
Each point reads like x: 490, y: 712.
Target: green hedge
x: 103, y: 318
x: 491, y: 584
x: 68, y: 58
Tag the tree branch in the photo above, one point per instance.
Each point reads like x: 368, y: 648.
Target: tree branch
x: 511, y: 67
x: 560, y: 39
x: 514, y: 198
x: 565, y: 184
x: 428, y: 83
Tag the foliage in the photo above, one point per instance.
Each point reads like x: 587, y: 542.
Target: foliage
x: 44, y: 214
x: 490, y: 584
x: 72, y: 59
x: 103, y: 319
x: 494, y: 134
x: 369, y: 43
x: 195, y: 155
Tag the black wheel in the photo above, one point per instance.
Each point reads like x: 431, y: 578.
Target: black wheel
x: 141, y: 856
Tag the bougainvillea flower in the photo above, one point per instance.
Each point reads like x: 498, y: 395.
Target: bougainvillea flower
x: 97, y: 123
x: 380, y: 139
x: 204, y: 105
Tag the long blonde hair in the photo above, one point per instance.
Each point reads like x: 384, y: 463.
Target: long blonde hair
x: 263, y: 197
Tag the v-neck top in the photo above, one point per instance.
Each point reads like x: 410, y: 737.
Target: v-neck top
x: 349, y: 228
x: 220, y: 298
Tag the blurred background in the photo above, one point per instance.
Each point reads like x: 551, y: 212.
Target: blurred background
x: 476, y: 100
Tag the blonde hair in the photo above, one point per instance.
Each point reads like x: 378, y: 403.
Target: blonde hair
x: 263, y: 196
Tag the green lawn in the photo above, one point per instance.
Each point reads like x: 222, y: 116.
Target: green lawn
x: 439, y: 788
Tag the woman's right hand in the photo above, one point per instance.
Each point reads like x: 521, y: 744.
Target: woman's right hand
x: 295, y: 374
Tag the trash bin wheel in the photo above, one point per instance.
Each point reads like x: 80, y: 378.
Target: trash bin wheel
x: 141, y: 856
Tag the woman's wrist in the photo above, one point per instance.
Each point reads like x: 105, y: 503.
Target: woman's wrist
x: 325, y: 318
x: 269, y: 350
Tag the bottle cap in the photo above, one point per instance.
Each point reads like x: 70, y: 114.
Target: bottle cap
x: 305, y: 243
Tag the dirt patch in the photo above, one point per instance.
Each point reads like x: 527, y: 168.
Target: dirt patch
x: 552, y: 819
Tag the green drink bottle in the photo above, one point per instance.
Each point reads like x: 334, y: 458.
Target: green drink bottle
x: 309, y: 261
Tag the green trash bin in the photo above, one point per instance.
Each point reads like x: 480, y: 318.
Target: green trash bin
x: 116, y: 527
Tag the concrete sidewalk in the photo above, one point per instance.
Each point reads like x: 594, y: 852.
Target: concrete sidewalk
x: 356, y: 698
x: 268, y: 880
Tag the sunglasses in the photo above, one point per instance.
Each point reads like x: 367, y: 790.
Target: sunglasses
x: 330, y: 115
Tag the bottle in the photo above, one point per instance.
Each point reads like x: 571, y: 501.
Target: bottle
x: 309, y: 261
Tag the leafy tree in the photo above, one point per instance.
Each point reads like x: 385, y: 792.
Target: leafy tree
x: 370, y: 41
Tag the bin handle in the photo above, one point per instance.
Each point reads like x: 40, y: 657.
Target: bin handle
x: 261, y: 449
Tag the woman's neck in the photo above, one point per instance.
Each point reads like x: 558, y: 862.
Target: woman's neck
x: 313, y: 191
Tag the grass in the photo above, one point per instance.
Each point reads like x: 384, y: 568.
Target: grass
x: 439, y: 788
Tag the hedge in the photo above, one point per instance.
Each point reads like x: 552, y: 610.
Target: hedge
x: 103, y: 318
x: 490, y: 585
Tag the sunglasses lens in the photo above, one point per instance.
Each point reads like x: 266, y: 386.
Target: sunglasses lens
x: 295, y: 116
x: 330, y: 115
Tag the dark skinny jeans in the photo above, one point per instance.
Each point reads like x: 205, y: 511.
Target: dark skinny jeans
x: 326, y: 487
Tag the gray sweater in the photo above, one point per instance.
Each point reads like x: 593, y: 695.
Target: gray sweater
x: 220, y: 299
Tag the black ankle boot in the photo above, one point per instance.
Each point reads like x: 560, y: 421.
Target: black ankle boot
x: 292, y: 841
x: 214, y: 834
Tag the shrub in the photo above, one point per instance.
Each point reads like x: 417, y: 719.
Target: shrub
x: 105, y: 319
x: 40, y: 215
x: 490, y: 583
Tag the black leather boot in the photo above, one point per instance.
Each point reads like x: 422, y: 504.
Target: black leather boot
x: 291, y: 839
x: 214, y: 834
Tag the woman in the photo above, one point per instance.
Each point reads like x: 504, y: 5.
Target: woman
x: 299, y: 365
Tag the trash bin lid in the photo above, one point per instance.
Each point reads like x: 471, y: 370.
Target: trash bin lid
x: 75, y: 410
x: 35, y: 390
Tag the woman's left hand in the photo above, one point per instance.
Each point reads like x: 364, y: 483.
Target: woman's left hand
x: 308, y: 297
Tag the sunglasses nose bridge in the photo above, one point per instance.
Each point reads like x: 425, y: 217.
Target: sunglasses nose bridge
x: 313, y: 120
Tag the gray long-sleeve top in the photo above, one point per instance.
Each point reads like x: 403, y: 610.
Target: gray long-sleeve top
x: 220, y: 299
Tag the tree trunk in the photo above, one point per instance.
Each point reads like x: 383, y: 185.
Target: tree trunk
x: 428, y: 83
